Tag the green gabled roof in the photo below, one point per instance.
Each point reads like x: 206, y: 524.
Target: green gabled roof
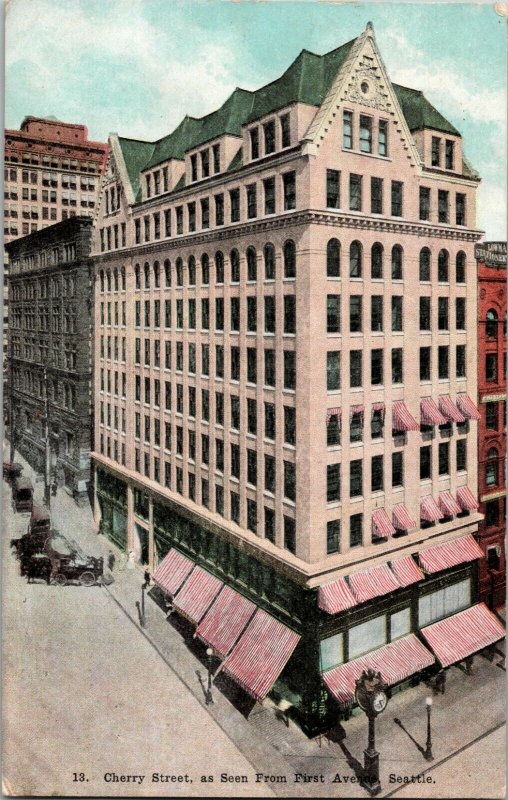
x: 135, y: 153
x: 306, y: 80
x: 419, y: 113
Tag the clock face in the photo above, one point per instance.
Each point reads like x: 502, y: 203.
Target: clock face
x: 379, y: 702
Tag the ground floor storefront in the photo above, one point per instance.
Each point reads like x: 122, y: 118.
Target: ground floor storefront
x: 303, y: 646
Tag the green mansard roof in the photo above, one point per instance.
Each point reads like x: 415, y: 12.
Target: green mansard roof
x: 419, y: 113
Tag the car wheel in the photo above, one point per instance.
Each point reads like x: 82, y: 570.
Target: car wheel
x: 87, y: 579
x: 60, y: 579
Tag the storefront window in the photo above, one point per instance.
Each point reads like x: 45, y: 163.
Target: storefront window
x: 444, y: 602
x: 400, y: 624
x: 367, y: 636
x: 331, y: 651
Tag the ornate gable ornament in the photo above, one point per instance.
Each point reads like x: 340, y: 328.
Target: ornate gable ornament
x: 366, y: 86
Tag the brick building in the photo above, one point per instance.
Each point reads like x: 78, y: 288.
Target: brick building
x: 49, y: 346
x: 292, y: 433
x: 491, y: 258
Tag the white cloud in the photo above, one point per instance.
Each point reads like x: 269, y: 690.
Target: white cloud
x: 492, y: 211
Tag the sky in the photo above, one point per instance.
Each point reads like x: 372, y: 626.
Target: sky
x: 136, y: 67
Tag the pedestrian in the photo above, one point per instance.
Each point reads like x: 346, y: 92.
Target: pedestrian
x: 111, y: 560
x: 146, y: 576
x: 54, y: 487
x: 131, y: 561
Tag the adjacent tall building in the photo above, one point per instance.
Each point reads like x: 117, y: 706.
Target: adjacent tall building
x: 285, y: 367
x: 491, y: 258
x: 50, y: 332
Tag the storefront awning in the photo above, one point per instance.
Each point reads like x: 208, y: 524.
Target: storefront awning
x: 466, y: 498
x: 373, y: 582
x: 172, y: 571
x: 429, y: 510
x: 335, y: 597
x: 448, y: 505
x: 395, y: 661
x: 197, y: 595
x: 381, y: 525
x: 261, y: 654
x: 402, y: 419
x: 449, y: 554
x: 225, y: 620
x: 467, y: 407
x: 459, y: 636
x: 450, y: 410
x: 406, y: 571
x: 430, y: 413
x: 402, y: 519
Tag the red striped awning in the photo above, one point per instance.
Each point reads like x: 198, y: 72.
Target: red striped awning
x: 449, y: 554
x: 401, y: 518
x: 459, y: 636
x: 225, y: 620
x: 402, y: 419
x: 466, y: 498
x: 356, y: 410
x: 172, y: 571
x: 197, y: 595
x: 373, y: 583
x: 332, y: 412
x: 450, y: 410
x: 378, y: 407
x: 467, y: 407
x: 407, y: 571
x: 430, y: 413
x: 429, y: 510
x: 395, y: 661
x: 335, y: 597
x: 448, y: 504
x: 260, y: 655
x: 381, y: 525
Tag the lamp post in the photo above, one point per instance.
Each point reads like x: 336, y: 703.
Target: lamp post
x: 372, y: 698
x: 208, y: 695
x: 428, y: 747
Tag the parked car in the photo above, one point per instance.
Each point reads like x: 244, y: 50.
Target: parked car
x: 22, y: 494
x: 59, y: 560
x: 11, y: 470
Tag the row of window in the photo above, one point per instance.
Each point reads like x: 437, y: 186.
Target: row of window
x: 39, y: 289
x: 444, y: 456
x: 443, y: 313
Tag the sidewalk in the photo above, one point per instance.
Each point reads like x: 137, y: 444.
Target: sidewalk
x: 471, y: 709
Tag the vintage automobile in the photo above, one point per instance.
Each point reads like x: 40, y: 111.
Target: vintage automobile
x: 61, y: 562
x: 11, y: 470
x: 22, y: 494
x: 39, y: 527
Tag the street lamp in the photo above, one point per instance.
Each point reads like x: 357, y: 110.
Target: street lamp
x: 372, y: 698
x: 208, y: 695
x: 428, y: 748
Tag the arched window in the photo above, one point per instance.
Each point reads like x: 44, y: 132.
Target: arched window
x: 425, y: 264
x: 333, y: 259
x: 269, y: 255
x: 167, y: 272
x: 192, y: 271
x: 122, y: 274
x: 355, y: 260
x: 101, y: 275
x: 252, y: 263
x: 219, y: 267
x: 115, y: 279
x: 108, y: 280
x: 491, y: 324
x: 460, y: 267
x: 156, y: 275
x: 235, y: 266
x: 442, y: 266
x: 205, y: 269
x: 147, y: 275
x: 376, y: 260
x: 491, y: 467
x: 179, y: 272
x: 137, y: 273
x: 397, y: 262
x: 289, y: 259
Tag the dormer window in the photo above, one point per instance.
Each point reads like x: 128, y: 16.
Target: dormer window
x: 194, y: 167
x: 365, y: 134
x: 347, y: 130
x: 269, y: 132
x: 449, y: 152
x: 165, y: 183
x: 148, y: 186
x: 216, y: 157
x: 382, y: 139
x: 156, y: 182
x: 254, y: 143
x: 205, y: 163
x: 436, y: 151
x: 285, y: 131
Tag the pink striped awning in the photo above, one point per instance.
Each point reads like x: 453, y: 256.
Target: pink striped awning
x: 467, y: 407
x: 196, y: 596
x: 449, y: 554
x: 381, y: 525
x: 429, y: 510
x: 401, y: 518
x: 450, y: 410
x: 335, y: 597
x: 260, y: 655
x: 332, y: 412
x: 448, y: 504
x: 466, y: 498
x: 402, y: 419
x: 373, y: 583
x: 378, y: 407
x: 356, y: 410
x: 430, y: 413
x: 225, y: 620
x: 407, y: 571
x: 395, y: 661
x: 172, y: 571
x: 459, y: 636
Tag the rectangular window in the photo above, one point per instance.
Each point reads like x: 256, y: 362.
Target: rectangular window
x: 270, y: 474
x: 425, y: 313
x: 285, y: 131
x: 436, y: 151
x: 376, y: 313
x: 398, y: 468
x: 235, y: 460
x: 269, y: 136
x: 219, y: 209
x: 397, y: 199
x: 289, y: 369
x: 179, y: 219
x: 355, y: 368
x: 194, y: 167
x: 376, y: 474
x: 492, y: 416
x: 365, y: 134
x: 400, y: 624
x: 376, y: 367
x: 290, y: 313
x: 289, y: 480
x: 251, y: 313
x: 424, y: 203
x: 333, y: 313
x: 460, y: 209
x: 289, y: 534
x: 269, y: 189
x: 219, y: 313
x: 252, y: 467
x: 449, y: 152
x: 491, y: 514
x: 269, y: 314
x: 461, y: 455
x: 235, y: 363
x: 252, y: 206
x: 382, y: 139
x: 251, y: 416
x: 397, y: 365
x: 333, y: 371
x: 289, y: 190
x: 444, y: 458
x: 219, y: 361
x: 205, y: 213
x: 355, y: 313
x: 425, y: 463
x: 347, y: 130
x: 332, y: 536
x: 235, y: 313
x: 254, y: 143
x: 332, y: 188
x: 251, y: 365
x: 444, y: 602
x: 356, y: 478
x: 289, y: 425
x: 216, y: 158
x: 397, y: 314
x: 442, y: 308
x: 332, y: 483
x: 270, y: 524
x: 205, y: 163
x: 270, y: 371
x: 235, y: 507
x: 367, y: 636
x: 460, y: 313
x: 355, y: 192
x: 269, y: 421
x: 491, y: 367
x: 356, y: 427
x: 355, y: 530
x: 443, y: 362
x: 234, y: 198
x: 425, y: 363
x: 376, y: 195
x: 443, y: 206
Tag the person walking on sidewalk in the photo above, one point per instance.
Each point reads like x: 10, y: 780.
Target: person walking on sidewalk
x: 111, y: 560
x: 146, y: 576
x: 131, y: 561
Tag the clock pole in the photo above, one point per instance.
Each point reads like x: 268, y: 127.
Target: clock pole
x: 371, y: 696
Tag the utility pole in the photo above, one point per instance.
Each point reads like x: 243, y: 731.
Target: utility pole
x: 47, y: 464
